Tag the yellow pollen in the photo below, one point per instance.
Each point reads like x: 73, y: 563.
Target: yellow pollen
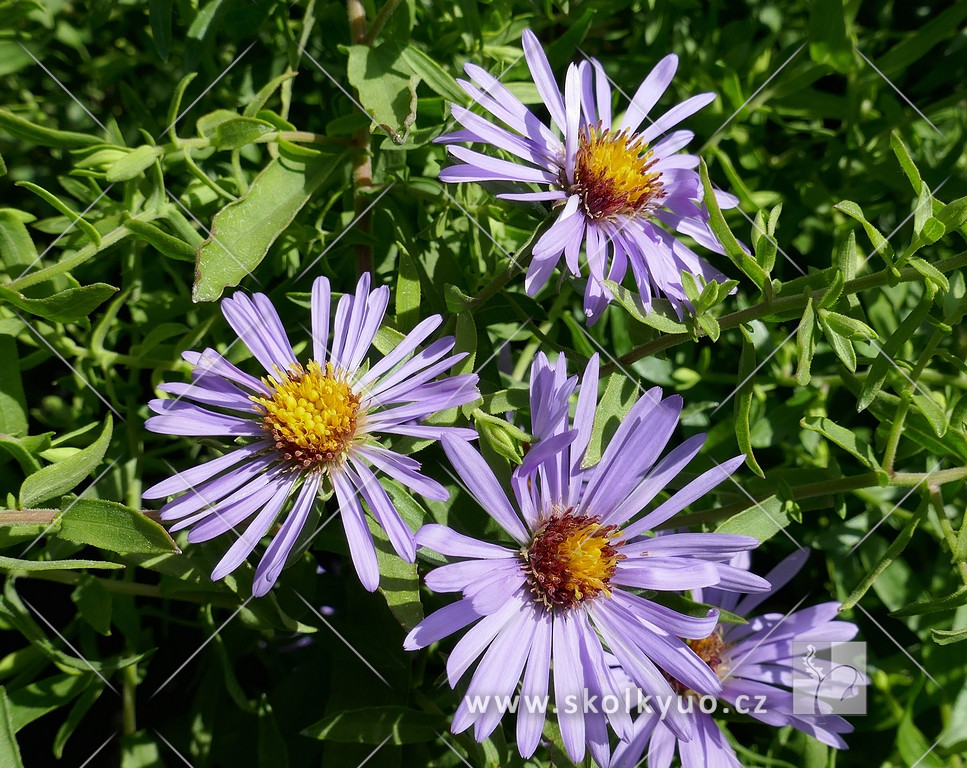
x: 613, y: 175
x: 312, y: 416
x: 571, y: 559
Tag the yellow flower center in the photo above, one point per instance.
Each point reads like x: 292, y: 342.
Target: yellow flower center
x: 311, y: 416
x: 613, y: 175
x: 571, y: 559
x: 711, y: 650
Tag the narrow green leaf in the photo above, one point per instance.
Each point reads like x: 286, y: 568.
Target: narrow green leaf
x: 407, y: 292
x: 170, y: 246
x: 93, y: 603
x: 430, y: 72
x: 848, y: 327
x: 378, y: 725
x: 661, y: 317
x: 763, y: 243
x: 243, y: 231
x: 806, y: 343
x: 9, y: 749
x: 932, y: 411
x: 134, y: 163
x: 57, y: 479
x: 65, y: 307
x: 175, y: 106
x: 112, y: 526
x: 843, y: 347
x: 81, y: 707
x: 240, y: 131
x: 881, y: 366
x: 880, y: 244
x: 620, y: 394
x: 930, y: 272
x: 44, y: 137
x: 948, y: 636
x: 762, y: 520
x: 36, y: 699
x: 733, y: 248
x: 386, y: 90
x: 947, y: 603
x: 892, y: 553
x: 906, y: 162
x: 14, y: 564
x: 84, y: 226
x: 743, y: 404
x: 253, y: 108
x: 159, y: 16
x: 829, y: 42
x: 834, y: 291
x: 844, y: 438
x: 17, y: 251
x: 953, y: 215
x: 13, y: 402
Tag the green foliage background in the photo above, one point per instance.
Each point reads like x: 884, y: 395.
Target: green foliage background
x: 130, y: 132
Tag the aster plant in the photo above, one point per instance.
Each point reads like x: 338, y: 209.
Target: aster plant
x: 623, y: 191
x: 755, y: 663
x: 565, y: 588
x: 306, y: 427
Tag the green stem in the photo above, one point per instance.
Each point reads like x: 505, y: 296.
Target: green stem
x: 948, y: 532
x: 786, y: 304
x: 132, y: 588
x: 384, y: 15
x: 362, y: 163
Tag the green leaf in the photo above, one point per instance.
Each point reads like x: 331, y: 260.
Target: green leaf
x: 84, y: 226
x: 37, y: 699
x: 620, y: 394
x: 112, y: 526
x: 240, y: 131
x: 13, y: 402
x: 243, y: 230
x: 847, y: 327
x: 661, y: 317
x: 378, y: 725
x: 906, y: 162
x: 953, y: 215
x: 81, y: 707
x: 176, y: 104
x: 932, y: 411
x: 880, y: 243
x: 170, y: 246
x: 762, y: 521
x: 844, y: 438
x: 841, y: 346
x: 948, y: 637
x: 64, y: 307
x: 9, y: 749
x: 743, y: 404
x: 933, y: 230
x: 763, y: 243
x: 399, y: 581
x: 44, y: 137
x: 17, y: 251
x: 93, y: 603
x: 256, y: 105
x: 829, y: 42
x: 834, y: 291
x: 385, y: 89
x: 134, y: 163
x: 806, y: 343
x: 159, y: 16
x: 930, y: 272
x: 407, y: 292
x: 57, y: 479
x: 947, y: 603
x: 14, y: 564
x: 733, y: 248
x: 436, y: 77
x: 892, y: 553
x: 912, y: 745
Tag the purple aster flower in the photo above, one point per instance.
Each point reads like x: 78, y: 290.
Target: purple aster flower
x: 306, y: 423
x: 620, y: 189
x: 566, y: 588
x: 755, y: 662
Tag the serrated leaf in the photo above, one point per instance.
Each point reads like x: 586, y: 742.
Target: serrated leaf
x: 243, y: 230
x: 64, y: 307
x: 378, y: 725
x: 385, y: 89
x: 844, y: 438
x: 57, y: 479
x: 112, y: 526
x: 762, y: 520
x: 134, y: 163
